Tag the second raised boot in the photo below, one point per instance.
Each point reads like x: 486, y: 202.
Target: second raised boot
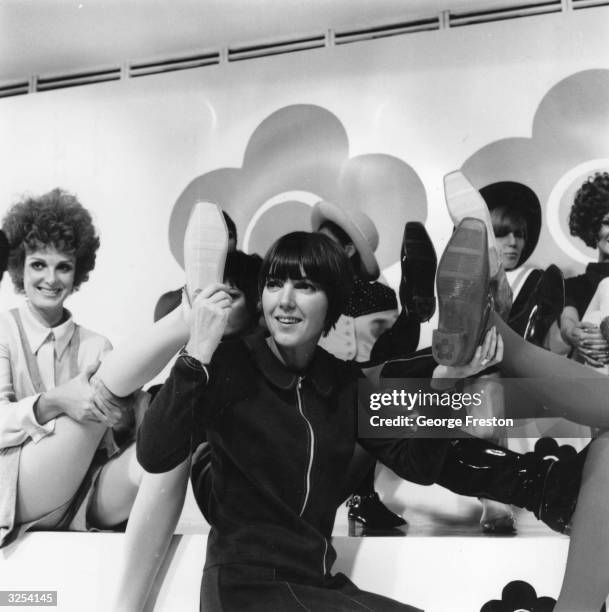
x: 533, y: 318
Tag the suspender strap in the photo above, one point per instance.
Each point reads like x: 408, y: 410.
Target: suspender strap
x: 74, y: 347
x: 30, y: 358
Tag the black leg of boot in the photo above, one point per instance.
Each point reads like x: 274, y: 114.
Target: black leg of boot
x: 543, y: 301
x: 548, y: 487
x: 418, y: 263
x: 400, y: 340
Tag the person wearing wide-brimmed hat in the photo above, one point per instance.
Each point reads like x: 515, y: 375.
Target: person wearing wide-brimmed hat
x: 371, y: 309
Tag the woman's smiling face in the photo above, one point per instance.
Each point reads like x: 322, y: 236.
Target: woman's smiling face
x: 295, y: 312
x: 48, y: 279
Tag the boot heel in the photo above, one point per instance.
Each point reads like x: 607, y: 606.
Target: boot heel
x: 447, y: 346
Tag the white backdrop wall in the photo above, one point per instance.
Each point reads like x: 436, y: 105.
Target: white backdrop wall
x: 432, y: 100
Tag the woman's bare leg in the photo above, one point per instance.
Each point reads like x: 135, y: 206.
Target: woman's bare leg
x: 140, y: 359
x: 152, y: 523
x: 582, y: 395
x: 160, y: 501
x: 51, y: 471
x: 586, y: 581
x: 565, y: 387
x: 115, y: 490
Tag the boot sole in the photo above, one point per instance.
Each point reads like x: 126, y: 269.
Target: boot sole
x: 462, y: 287
x: 205, y: 247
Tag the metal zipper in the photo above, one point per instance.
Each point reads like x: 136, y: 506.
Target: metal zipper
x: 309, y: 467
x: 324, y: 559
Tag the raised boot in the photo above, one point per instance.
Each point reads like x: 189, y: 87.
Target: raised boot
x: 463, y: 295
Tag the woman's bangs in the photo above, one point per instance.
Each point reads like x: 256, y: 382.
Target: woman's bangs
x: 299, y: 262
x: 286, y: 265
x: 507, y: 224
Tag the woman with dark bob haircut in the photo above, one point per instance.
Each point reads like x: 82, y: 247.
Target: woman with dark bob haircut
x: 59, y: 467
x: 280, y: 415
x: 589, y: 221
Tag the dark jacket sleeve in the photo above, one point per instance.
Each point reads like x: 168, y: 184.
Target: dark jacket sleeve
x: 165, y: 436
x: 419, y: 460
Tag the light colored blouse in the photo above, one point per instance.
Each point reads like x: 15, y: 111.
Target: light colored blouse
x: 50, y: 347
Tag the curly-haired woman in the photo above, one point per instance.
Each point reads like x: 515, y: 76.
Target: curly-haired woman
x: 55, y: 422
x: 589, y: 221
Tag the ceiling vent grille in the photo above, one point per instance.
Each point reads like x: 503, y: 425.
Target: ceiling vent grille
x: 74, y: 80
x: 384, y: 31
x: 171, y: 65
x: 236, y: 54
x: 582, y: 4
x: 264, y: 49
x: 14, y: 89
x: 525, y: 10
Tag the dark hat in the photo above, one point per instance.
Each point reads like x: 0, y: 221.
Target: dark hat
x: 521, y: 199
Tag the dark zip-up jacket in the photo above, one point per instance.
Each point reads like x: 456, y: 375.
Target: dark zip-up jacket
x: 281, y: 445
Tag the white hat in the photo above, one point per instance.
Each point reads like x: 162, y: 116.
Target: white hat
x: 358, y: 226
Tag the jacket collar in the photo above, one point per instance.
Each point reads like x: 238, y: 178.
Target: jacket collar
x: 37, y: 333
x: 320, y: 372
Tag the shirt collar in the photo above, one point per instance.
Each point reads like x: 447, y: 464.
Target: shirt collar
x: 37, y: 333
x: 320, y: 372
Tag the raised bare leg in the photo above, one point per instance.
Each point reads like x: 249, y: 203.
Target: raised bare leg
x: 51, y: 471
x: 159, y: 502
x: 141, y: 358
x: 152, y: 523
x: 586, y: 582
x: 565, y: 387
x: 116, y: 489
